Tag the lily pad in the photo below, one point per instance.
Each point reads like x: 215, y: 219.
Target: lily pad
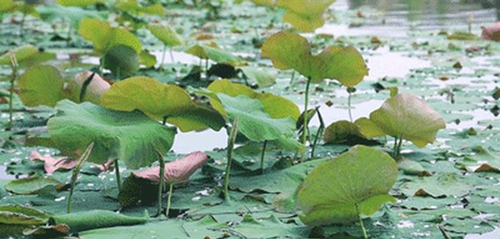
x: 21, y: 53
x: 214, y: 53
x: 32, y: 185
x: 407, y: 116
x: 332, y: 192
x: 128, y: 136
x: 122, y: 60
x: 292, y: 51
x: 438, y: 185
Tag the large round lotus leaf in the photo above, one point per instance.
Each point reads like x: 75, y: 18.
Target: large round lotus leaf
x: 409, y: 117
x: 7, y: 5
x: 166, y: 34
x: 128, y: 136
x: 21, y: 53
x: 41, y: 85
x: 276, y: 106
x: 361, y: 178
x: 121, y: 60
x: 158, y: 100
x: 292, y: 51
x: 254, y: 123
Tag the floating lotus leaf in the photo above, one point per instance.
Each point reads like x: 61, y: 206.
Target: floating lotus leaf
x: 292, y: 51
x: 361, y: 177
x: 129, y: 136
x: 213, y: 53
x: 409, y: 117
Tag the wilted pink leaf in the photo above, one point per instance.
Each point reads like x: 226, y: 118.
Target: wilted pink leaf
x: 176, y: 171
x: 52, y: 164
x: 491, y: 32
x: 105, y: 166
x: 96, y: 88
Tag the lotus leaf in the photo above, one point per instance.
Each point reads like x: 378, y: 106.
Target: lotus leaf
x: 22, y: 53
x: 122, y: 60
x: 79, y: 3
x: 214, y: 53
x: 292, y: 51
x: 128, y: 136
x: 166, y: 34
x: 409, y: 117
x: 305, y: 15
x: 158, y: 100
x: 361, y: 177
x: 41, y: 85
x: 104, y: 37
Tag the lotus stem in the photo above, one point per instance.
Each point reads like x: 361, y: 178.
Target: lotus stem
x: 14, y: 65
x: 163, y: 55
x: 117, y: 172
x: 306, y: 127
x: 171, y: 55
x: 398, y: 141
x: 365, y: 235
x: 169, y: 199
x: 230, y: 146
x: 85, y: 85
x: 264, y: 146
x: 319, y: 133
x: 349, y: 106
x: 161, y: 184
x: 76, y: 171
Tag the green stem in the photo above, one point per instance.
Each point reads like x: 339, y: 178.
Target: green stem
x: 76, y: 171
x: 162, y: 183
x: 206, y: 66
x: 306, y: 127
x: 230, y: 146
x: 13, y: 63
x: 170, y: 191
x: 163, y: 55
x: 349, y: 106
x: 171, y: 55
x: 365, y: 235
x: 117, y: 172
x: 319, y: 133
x: 397, y: 147
x: 262, y: 156
x: 293, y: 78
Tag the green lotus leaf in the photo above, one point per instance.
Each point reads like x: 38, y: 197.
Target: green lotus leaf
x: 77, y: 3
x: 41, y: 85
x: 7, y: 5
x: 341, y: 131
x: 292, y: 51
x: 409, y: 117
x: 104, y: 37
x: 135, y: 7
x: 361, y: 177
x: 32, y: 185
x: 147, y: 59
x: 263, y: 78
x: 304, y: 15
x: 22, y: 53
x: 254, y: 122
x: 166, y: 34
x: 121, y: 60
x: 214, y: 53
x: 129, y: 136
x: 158, y: 100
x: 274, y: 105
x: 93, y: 219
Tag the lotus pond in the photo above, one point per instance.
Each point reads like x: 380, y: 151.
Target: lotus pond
x: 187, y: 119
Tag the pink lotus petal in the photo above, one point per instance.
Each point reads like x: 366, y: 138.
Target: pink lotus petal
x: 106, y: 166
x: 176, y: 171
x: 52, y: 164
x: 491, y: 32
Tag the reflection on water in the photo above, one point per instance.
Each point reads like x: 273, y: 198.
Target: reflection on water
x: 397, y: 17
x: 3, y: 173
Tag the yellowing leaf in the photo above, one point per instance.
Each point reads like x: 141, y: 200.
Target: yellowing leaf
x: 305, y: 15
x: 292, y: 51
x: 409, y: 117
